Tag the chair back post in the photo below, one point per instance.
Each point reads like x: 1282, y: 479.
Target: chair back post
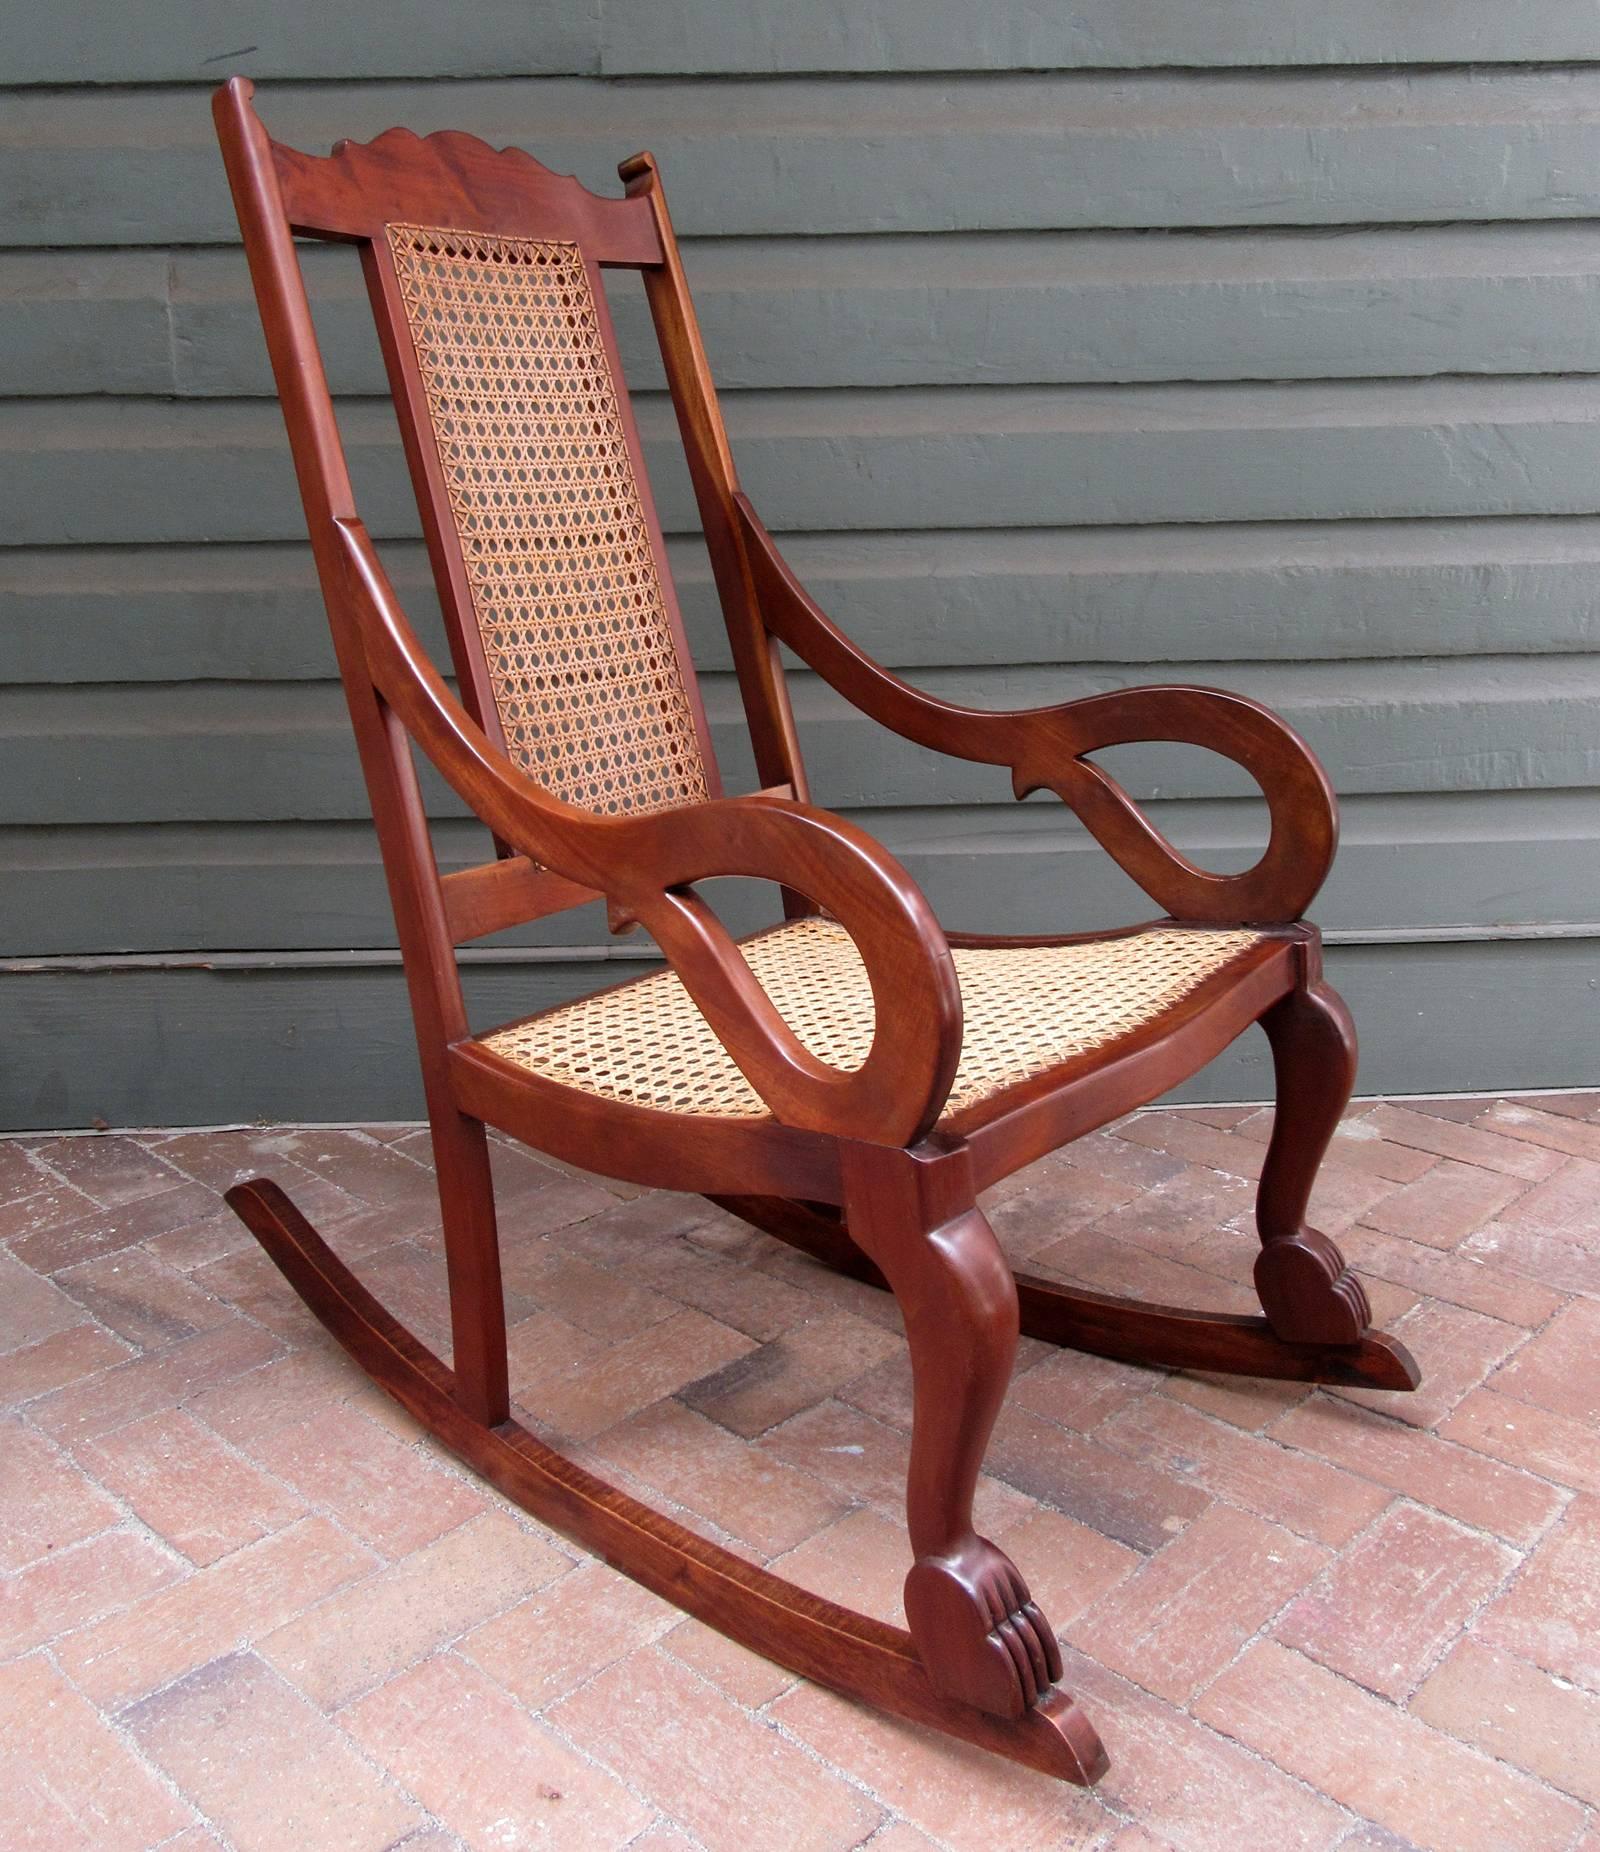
x: 410, y: 868
x: 716, y: 483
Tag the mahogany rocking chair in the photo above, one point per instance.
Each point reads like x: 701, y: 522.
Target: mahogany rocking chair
x: 848, y: 1080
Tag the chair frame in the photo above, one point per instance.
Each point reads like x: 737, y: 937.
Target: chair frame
x: 858, y: 1169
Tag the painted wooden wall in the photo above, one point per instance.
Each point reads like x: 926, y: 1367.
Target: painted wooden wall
x: 1064, y: 347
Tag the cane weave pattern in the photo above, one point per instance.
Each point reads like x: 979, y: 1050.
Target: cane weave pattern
x: 1027, y: 1008
x: 565, y: 584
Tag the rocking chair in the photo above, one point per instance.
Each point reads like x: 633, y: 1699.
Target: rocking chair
x: 848, y: 1080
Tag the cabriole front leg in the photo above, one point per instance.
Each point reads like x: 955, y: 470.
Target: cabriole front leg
x: 1306, y: 1291
x: 980, y: 1636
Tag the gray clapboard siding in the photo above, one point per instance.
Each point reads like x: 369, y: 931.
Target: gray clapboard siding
x: 169, y: 752
x: 1038, y: 309
x: 111, y: 42
x: 955, y: 309
x: 114, y: 471
x: 671, y: 36
x: 108, y: 42
x: 1320, y: 590
x: 808, y: 156
x: 1057, y: 365
x: 85, y: 321
x: 1410, y: 863
x: 181, y: 1047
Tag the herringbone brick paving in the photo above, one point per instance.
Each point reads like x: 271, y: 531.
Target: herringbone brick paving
x: 248, y: 1604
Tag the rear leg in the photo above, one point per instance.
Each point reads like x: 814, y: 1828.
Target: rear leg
x: 472, y: 1263
x: 1306, y: 1291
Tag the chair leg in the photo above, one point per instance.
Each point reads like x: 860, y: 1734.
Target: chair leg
x: 1307, y: 1293
x: 472, y: 1263
x: 981, y: 1639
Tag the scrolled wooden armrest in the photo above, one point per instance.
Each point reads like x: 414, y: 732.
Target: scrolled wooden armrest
x: 1046, y: 749
x: 645, y: 864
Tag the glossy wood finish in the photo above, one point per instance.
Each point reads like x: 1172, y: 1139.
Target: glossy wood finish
x: 849, y: 1652
x: 646, y: 864
x: 1047, y: 748
x: 862, y: 1167
x: 774, y: 740
x: 1130, y: 1330
x: 510, y: 892
x: 1305, y: 1288
x: 980, y: 1635
x: 451, y: 180
x: 637, y: 1145
x: 773, y: 737
x: 1053, y: 1108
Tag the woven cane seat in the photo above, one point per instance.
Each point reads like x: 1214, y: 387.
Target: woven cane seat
x: 1027, y: 1008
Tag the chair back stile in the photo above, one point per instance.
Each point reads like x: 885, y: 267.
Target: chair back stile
x: 774, y: 740
x: 410, y: 869
x: 756, y: 657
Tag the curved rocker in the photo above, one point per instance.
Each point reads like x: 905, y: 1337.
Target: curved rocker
x: 1129, y: 1330
x: 580, y: 740
x: 850, y: 1653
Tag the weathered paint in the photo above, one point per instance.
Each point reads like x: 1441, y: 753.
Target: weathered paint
x: 105, y: 41
x: 140, y: 470
x: 1321, y: 590
x: 1411, y: 863
x: 196, y: 1046
x: 805, y: 156
x: 1057, y: 364
x: 944, y: 309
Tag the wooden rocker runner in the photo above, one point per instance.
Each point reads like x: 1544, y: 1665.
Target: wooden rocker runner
x: 848, y: 1080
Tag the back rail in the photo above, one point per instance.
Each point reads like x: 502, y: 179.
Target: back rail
x: 452, y: 179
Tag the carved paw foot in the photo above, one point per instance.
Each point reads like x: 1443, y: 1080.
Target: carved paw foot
x: 1308, y: 1294
x: 981, y: 1637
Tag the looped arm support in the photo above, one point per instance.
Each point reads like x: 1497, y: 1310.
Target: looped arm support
x: 1045, y: 748
x: 645, y: 864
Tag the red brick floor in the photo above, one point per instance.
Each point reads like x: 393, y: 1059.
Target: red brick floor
x: 247, y: 1604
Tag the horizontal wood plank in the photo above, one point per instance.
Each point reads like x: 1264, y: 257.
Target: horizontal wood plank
x: 1477, y: 859
x: 804, y: 156
x: 142, y: 1048
x: 110, y: 42
x: 80, y: 471
x: 1057, y: 308
x: 1031, y: 309
x: 1223, y: 593
x: 209, y: 752
x: 104, y: 42
x: 656, y: 37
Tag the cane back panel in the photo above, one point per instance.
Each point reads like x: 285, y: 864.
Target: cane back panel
x: 566, y: 589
